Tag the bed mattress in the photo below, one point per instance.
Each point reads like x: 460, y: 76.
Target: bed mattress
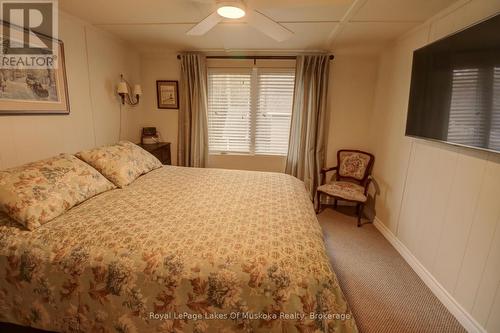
x: 179, y: 250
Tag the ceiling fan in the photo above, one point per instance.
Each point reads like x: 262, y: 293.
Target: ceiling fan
x: 235, y: 9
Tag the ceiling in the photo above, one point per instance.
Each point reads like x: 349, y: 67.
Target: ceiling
x: 317, y: 24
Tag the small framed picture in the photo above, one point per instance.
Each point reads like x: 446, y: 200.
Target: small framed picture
x: 167, y: 94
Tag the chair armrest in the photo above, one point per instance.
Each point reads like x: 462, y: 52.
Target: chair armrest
x: 325, y: 170
x: 368, y: 181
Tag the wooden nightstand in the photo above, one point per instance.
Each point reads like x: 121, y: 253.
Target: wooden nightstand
x: 161, y: 150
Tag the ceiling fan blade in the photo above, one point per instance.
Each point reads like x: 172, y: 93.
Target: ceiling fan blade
x: 269, y: 27
x: 206, y: 25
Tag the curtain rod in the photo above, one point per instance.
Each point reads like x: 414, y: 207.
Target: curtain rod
x: 255, y: 57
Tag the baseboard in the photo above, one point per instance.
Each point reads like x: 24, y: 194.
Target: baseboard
x: 469, y: 323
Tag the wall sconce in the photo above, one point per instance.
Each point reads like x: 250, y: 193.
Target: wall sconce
x: 123, y: 90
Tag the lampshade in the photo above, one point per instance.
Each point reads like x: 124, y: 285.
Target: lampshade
x: 122, y: 88
x: 137, y: 90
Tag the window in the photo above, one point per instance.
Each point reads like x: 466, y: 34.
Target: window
x: 249, y: 110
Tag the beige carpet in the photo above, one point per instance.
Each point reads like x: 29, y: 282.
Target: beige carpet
x: 384, y: 293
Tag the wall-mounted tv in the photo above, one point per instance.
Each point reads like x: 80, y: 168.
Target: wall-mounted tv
x: 455, y: 88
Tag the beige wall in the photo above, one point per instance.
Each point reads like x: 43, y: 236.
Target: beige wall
x: 109, y: 57
x: 353, y: 79
x: 441, y: 202
x: 166, y: 66
x: 162, y: 66
x: 94, y: 61
x: 352, y: 86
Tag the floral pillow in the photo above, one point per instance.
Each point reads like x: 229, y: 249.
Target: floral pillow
x: 35, y: 193
x: 121, y: 163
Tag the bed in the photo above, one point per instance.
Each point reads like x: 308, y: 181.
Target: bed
x: 178, y: 250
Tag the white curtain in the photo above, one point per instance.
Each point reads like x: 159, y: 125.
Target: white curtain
x: 193, y: 127
x: 306, y: 149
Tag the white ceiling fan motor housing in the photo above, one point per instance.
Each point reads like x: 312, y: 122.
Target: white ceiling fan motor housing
x: 231, y: 9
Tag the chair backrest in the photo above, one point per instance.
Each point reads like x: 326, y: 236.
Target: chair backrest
x: 354, y: 165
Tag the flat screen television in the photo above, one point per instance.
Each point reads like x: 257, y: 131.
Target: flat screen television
x: 455, y: 88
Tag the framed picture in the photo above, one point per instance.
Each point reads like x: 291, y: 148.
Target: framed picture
x: 25, y: 90
x: 167, y: 94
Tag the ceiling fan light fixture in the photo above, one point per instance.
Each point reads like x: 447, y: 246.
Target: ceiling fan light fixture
x: 231, y: 9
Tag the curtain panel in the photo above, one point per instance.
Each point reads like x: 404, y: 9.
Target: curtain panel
x: 306, y: 149
x: 192, y: 148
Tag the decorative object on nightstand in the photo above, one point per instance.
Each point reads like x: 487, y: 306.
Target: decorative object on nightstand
x: 150, y: 135
x: 351, y: 179
x: 160, y: 150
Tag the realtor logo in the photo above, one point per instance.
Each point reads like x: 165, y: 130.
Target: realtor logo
x: 29, y: 34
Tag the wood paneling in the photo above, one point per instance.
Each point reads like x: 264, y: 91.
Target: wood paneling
x: 489, y: 281
x: 493, y: 323
x: 458, y: 219
x: 448, y: 212
x: 431, y: 217
x: 484, y: 224
x: 415, y: 191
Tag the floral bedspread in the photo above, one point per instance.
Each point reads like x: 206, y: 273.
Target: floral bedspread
x: 179, y: 250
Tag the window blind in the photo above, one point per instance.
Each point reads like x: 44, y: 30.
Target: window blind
x: 249, y: 110
x: 229, y: 107
x: 274, y: 110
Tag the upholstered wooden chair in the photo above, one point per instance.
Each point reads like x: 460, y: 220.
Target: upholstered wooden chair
x: 351, y: 179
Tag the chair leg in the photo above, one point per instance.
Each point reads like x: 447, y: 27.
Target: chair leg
x: 318, y: 202
x: 335, y: 203
x: 359, y: 210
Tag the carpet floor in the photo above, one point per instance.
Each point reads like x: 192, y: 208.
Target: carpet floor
x: 385, y: 294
